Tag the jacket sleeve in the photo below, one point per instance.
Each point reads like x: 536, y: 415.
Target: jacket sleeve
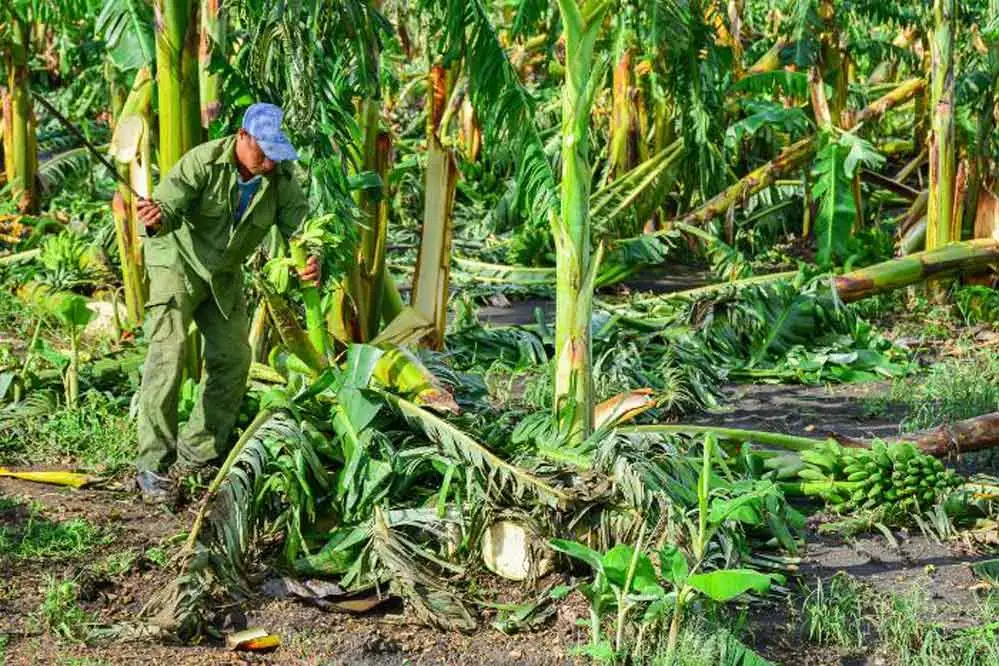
x: 182, y: 186
x: 292, y: 206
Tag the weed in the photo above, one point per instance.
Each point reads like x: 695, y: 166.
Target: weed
x: 157, y: 556
x: 118, y: 564
x: 907, y: 638
x: 977, y: 305
x: 60, y: 612
x: 700, y: 643
x: 833, y: 612
x: 42, y: 539
x: 98, y: 435
x: 953, y: 390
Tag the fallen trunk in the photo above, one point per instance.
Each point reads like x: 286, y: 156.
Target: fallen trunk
x: 967, y: 256
x: 967, y: 436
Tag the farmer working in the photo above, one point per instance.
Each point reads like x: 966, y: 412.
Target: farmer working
x: 206, y: 216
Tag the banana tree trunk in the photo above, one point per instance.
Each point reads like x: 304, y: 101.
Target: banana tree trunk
x: 433, y: 265
x: 22, y: 160
x: 975, y: 434
x: 942, y: 139
x: 177, y: 77
x: 6, y: 134
x: 364, y: 282
x: 213, y: 33
x: 576, y: 267
x: 833, y: 63
x: 134, y: 162
x: 967, y: 256
x: 793, y: 157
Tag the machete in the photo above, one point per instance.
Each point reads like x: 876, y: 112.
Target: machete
x: 86, y: 144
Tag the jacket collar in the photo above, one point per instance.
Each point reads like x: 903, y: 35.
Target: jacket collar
x: 227, y: 154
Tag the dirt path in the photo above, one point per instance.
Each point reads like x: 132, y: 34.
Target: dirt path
x: 805, y: 410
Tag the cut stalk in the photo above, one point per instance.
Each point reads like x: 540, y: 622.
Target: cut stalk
x: 212, y: 33
x: 942, y: 146
x: 575, y: 267
x: 177, y: 77
x: 22, y: 162
x: 132, y: 153
x: 431, y: 281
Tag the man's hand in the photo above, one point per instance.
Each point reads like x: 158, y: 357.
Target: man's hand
x: 311, y: 272
x: 150, y: 215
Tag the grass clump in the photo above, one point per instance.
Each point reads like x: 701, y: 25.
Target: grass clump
x: 908, y: 638
x: 97, y: 435
x: 43, y: 539
x: 952, y: 390
x: 60, y: 613
x: 833, y: 612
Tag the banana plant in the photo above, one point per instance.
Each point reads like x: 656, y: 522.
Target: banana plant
x: 941, y: 227
x: 177, y: 78
x: 576, y: 266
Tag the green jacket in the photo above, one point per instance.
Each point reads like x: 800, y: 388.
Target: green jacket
x: 197, y: 198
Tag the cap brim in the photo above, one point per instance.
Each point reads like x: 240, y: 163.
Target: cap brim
x: 278, y: 151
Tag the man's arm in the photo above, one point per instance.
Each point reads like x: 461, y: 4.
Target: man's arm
x: 175, y: 194
x: 292, y: 210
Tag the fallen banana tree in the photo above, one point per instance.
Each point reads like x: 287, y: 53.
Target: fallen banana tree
x: 951, y: 439
x: 793, y: 157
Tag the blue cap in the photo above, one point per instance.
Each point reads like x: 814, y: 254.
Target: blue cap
x: 263, y: 122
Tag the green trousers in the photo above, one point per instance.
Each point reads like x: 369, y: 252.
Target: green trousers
x: 176, y: 298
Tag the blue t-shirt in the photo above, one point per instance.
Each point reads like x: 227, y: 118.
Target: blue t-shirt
x: 247, y: 189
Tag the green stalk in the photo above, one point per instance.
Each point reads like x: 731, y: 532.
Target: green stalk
x: 23, y: 162
x: 72, y: 371
x: 967, y: 256
x: 315, y: 322
x: 364, y: 282
x: 575, y: 267
x: 392, y: 303
x: 942, y: 139
x: 177, y: 78
x: 286, y: 324
x: 124, y: 209
x: 780, y: 440
x: 212, y: 33
x: 431, y: 280
x: 251, y: 430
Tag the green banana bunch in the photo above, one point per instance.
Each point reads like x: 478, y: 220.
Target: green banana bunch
x: 850, y: 479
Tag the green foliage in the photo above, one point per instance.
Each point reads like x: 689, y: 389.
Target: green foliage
x: 98, y: 434
x: 60, y: 613
x: 835, y: 167
x: 41, y: 539
x: 834, y: 612
x: 127, y: 29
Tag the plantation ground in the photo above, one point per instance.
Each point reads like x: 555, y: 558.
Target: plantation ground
x: 116, y: 550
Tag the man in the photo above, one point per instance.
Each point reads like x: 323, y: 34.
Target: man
x: 206, y: 216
